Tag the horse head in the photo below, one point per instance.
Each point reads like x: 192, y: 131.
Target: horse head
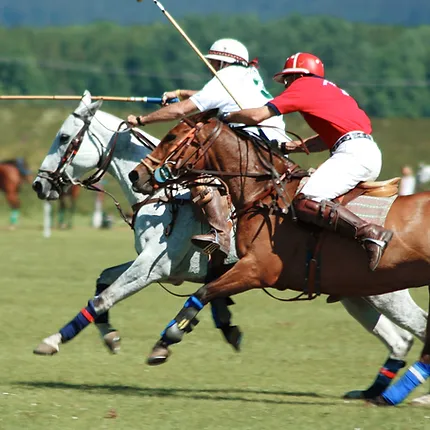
x: 203, y: 145
x: 72, y: 153
x: 168, y: 159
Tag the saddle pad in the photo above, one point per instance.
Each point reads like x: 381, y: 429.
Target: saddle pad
x: 371, y: 209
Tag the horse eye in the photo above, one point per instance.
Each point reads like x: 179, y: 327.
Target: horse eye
x: 169, y: 137
x: 64, y: 138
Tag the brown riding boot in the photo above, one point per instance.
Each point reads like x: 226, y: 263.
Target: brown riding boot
x: 217, y: 214
x: 337, y: 218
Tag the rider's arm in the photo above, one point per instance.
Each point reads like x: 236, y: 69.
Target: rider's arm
x: 252, y: 116
x: 313, y: 144
x: 179, y: 93
x: 169, y: 113
x: 185, y: 94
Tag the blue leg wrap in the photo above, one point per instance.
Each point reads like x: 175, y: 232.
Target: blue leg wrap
x: 183, y: 322
x: 193, y: 302
x: 385, y: 376
x: 415, y: 376
x: 85, y: 317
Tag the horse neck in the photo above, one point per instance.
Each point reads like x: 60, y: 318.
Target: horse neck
x: 240, y: 155
x: 128, y: 153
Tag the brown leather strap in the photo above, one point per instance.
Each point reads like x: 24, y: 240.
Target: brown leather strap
x: 313, y: 280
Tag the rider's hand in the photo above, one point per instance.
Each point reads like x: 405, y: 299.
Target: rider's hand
x: 133, y: 121
x: 168, y: 95
x: 291, y: 145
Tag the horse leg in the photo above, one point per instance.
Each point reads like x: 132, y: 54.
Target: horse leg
x: 221, y: 314
x: 108, y: 333
x: 61, y: 213
x: 416, y: 375
x: 245, y: 275
x: 138, y: 276
x: 15, y: 204
x: 71, y: 213
x: 397, y: 340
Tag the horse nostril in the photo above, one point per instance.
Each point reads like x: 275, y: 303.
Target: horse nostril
x: 37, y: 187
x: 133, y: 176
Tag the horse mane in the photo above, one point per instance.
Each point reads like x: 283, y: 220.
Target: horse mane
x: 261, y: 146
x: 203, y: 116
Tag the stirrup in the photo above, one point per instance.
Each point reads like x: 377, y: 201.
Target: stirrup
x: 212, y: 245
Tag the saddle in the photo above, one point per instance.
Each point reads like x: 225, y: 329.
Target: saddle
x: 387, y: 188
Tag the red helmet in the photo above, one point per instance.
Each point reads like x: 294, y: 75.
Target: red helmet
x: 302, y: 62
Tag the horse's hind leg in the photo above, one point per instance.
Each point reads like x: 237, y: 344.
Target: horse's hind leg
x: 417, y: 374
x: 397, y: 340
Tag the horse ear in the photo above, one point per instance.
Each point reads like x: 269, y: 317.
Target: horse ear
x: 94, y: 107
x: 86, y: 98
x: 89, y: 109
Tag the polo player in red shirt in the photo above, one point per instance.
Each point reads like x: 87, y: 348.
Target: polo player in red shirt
x: 342, y: 128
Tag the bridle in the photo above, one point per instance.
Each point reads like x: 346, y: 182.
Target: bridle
x: 179, y: 162
x: 59, y: 177
x: 175, y: 165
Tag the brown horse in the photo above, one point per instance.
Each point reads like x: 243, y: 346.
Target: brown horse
x: 13, y: 173
x: 272, y: 246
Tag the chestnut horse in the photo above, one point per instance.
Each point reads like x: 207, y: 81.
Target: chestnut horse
x: 271, y: 245
x: 13, y: 173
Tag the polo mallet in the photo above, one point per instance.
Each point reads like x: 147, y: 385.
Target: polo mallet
x: 194, y: 47
x: 150, y: 100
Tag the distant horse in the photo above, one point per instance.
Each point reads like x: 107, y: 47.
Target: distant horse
x: 272, y: 246
x: 13, y: 173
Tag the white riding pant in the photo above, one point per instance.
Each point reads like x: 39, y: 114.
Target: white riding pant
x: 354, y: 161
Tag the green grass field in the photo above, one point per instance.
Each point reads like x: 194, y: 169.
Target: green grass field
x: 297, y: 359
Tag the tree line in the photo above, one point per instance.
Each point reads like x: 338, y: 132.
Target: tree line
x: 387, y: 68
x: 57, y: 13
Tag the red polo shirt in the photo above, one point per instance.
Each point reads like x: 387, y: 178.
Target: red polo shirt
x: 330, y: 111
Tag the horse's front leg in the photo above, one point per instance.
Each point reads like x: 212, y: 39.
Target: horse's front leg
x: 416, y: 375
x: 139, y: 275
x: 108, y: 333
x: 245, y: 275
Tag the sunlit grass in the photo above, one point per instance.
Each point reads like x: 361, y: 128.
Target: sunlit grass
x: 297, y: 359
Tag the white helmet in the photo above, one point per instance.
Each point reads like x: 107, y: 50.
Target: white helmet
x: 229, y: 51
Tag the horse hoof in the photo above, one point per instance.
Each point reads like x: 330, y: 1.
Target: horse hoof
x: 354, y: 395
x: 233, y: 336
x: 159, y: 354
x: 45, y: 349
x: 378, y: 401
x: 421, y: 401
x: 112, y: 341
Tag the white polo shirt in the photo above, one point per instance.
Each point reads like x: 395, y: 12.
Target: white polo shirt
x: 247, y: 87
